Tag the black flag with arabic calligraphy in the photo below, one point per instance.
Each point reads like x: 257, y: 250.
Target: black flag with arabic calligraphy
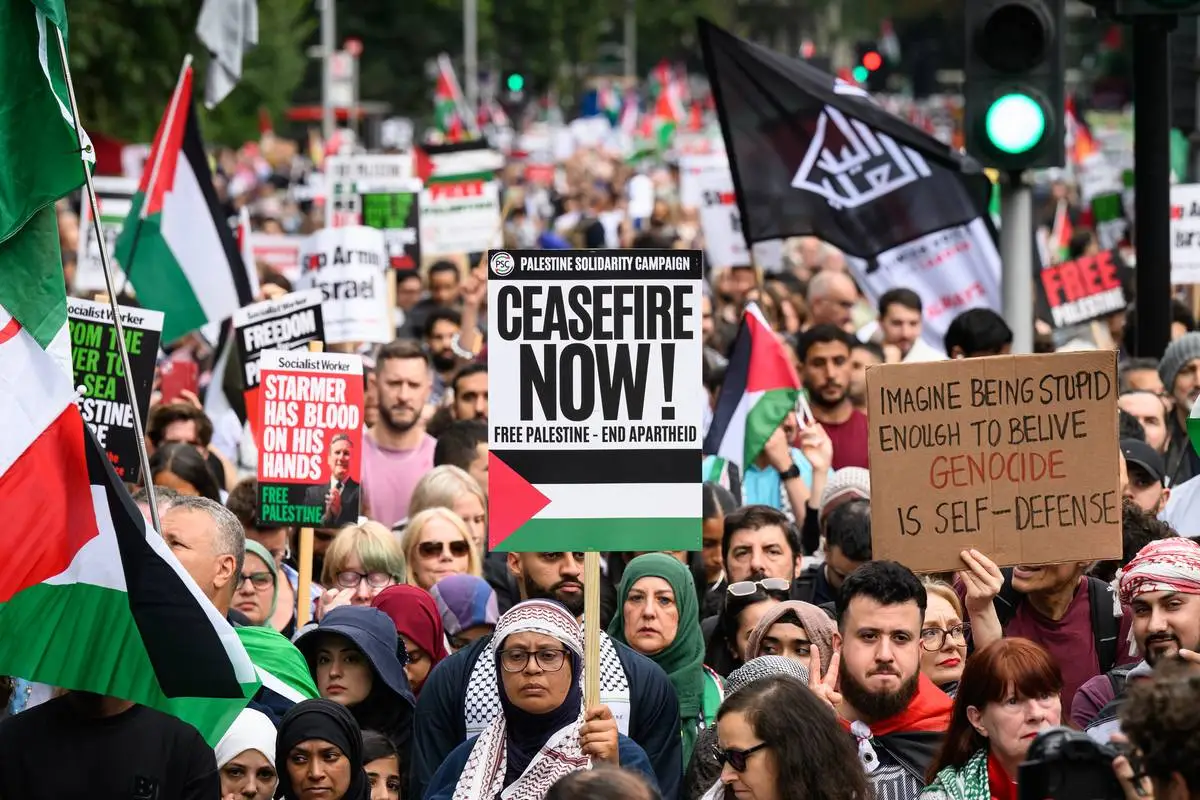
x: 813, y: 155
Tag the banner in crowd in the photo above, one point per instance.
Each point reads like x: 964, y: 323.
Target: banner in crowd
x: 1185, y: 233
x: 280, y: 251
x: 594, y: 425
x: 1111, y: 223
x: 458, y: 161
x: 1087, y: 288
x: 693, y: 171
x: 1015, y: 456
x: 96, y: 361
x: 288, y: 323
x: 813, y: 155
x: 460, y: 217
x: 379, y: 191
x: 115, y: 198
x: 349, y: 266
x: 724, y: 243
x: 310, y: 445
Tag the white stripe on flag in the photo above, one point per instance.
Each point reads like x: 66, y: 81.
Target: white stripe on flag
x: 33, y: 392
x: 733, y: 443
x: 615, y: 500
x: 279, y: 687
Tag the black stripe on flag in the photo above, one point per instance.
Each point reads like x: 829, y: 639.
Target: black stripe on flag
x: 188, y: 657
x: 737, y: 373
x: 604, y: 466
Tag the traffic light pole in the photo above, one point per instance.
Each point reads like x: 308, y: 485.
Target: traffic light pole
x: 1152, y: 181
x: 1016, y: 258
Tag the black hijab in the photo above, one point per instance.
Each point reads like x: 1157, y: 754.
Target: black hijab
x: 525, y: 733
x: 329, y: 722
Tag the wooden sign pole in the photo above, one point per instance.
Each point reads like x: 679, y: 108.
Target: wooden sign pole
x: 304, y: 580
x: 591, y: 629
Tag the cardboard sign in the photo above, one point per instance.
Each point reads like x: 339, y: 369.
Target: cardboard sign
x: 1015, y: 456
x: 460, y: 217
x: 1087, y: 288
x: 721, y: 221
x: 310, y: 448
x: 105, y: 405
x: 348, y: 266
x: 594, y: 427
x: 115, y: 198
x: 1185, y: 233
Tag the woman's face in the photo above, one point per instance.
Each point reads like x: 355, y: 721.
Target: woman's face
x: 172, y: 481
x: 255, y: 588
x: 759, y: 780
x: 440, y: 551
x: 343, y: 672
x: 944, y: 665
x: 651, y: 616
x: 419, y: 664
x: 363, y: 592
x: 786, y: 639
x: 1011, y: 724
x: 249, y: 775
x: 747, y: 622
x: 319, y: 770
x: 468, y: 506
x: 384, y: 775
x: 535, y: 689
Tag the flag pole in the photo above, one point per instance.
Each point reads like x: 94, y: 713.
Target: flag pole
x: 138, y: 428
x: 154, y: 168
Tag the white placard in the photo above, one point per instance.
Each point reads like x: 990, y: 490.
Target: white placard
x: 462, y: 217
x: 724, y: 243
x: 115, y: 198
x: 693, y: 169
x: 348, y: 266
x: 1185, y: 233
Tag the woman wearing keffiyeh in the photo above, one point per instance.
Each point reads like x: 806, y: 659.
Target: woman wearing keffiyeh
x: 544, y: 732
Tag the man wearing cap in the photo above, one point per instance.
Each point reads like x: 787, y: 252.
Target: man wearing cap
x: 847, y: 533
x: 1180, y: 373
x: 1145, y: 484
x: 1162, y: 586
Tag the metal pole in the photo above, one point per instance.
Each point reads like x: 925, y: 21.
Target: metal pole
x: 631, y: 39
x: 328, y: 47
x: 106, y: 264
x: 1152, y: 187
x: 471, y: 53
x: 1016, y: 259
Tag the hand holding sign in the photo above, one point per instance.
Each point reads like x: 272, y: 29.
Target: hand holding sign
x: 817, y: 447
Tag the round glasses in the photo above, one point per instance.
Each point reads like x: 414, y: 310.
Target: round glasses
x: 934, y: 639
x: 549, y: 660
x: 351, y: 580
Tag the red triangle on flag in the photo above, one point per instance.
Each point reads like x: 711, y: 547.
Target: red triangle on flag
x: 514, y: 501
x: 164, y: 153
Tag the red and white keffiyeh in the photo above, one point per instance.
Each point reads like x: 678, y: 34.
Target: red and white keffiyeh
x: 1165, y: 565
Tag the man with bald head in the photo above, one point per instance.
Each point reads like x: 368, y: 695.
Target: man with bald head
x: 831, y: 298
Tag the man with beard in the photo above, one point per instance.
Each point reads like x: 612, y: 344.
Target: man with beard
x: 397, y: 451
x: 441, y: 328
x: 1179, y: 370
x: 461, y: 697
x: 824, y: 354
x: 895, y: 713
x: 1162, y: 586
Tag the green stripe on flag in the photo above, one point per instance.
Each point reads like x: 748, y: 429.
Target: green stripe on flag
x: 770, y: 410
x: 620, y: 534
x: 159, y: 278
x: 31, y: 277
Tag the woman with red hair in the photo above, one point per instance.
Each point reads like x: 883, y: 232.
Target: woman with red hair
x: 1009, y: 693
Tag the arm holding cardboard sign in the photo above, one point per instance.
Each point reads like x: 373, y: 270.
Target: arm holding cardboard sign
x: 983, y: 581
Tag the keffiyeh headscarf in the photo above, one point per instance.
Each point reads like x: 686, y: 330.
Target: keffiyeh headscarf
x: 1165, y: 565
x: 764, y: 667
x: 519, y: 756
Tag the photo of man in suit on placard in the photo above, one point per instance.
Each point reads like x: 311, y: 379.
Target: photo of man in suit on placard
x: 340, y: 495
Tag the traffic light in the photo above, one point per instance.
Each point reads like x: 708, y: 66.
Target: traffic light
x: 515, y: 82
x: 870, y: 67
x: 1014, y: 99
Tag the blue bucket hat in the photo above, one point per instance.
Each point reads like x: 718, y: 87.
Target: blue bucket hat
x: 372, y: 632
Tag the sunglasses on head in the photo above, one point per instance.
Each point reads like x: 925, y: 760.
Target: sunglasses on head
x: 746, y: 588
x: 737, y: 758
x: 434, y: 549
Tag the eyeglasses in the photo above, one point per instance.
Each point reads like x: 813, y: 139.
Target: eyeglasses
x: 746, y: 588
x: 548, y: 659
x: 737, y: 758
x: 259, y: 580
x: 458, y: 549
x: 352, y: 580
x: 934, y: 639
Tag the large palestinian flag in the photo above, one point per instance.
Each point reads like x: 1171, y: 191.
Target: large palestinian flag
x: 176, y: 247
x: 760, y: 389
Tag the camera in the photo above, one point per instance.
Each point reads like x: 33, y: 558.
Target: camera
x: 1063, y: 764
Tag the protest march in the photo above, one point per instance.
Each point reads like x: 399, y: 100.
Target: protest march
x: 748, y: 423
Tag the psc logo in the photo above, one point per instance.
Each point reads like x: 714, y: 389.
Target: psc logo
x: 502, y: 264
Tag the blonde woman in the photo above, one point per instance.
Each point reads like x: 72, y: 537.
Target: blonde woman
x: 362, y: 561
x: 455, y: 489
x: 437, y: 543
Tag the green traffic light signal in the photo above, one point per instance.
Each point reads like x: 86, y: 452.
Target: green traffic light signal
x: 860, y: 73
x: 1015, y: 123
x: 516, y: 82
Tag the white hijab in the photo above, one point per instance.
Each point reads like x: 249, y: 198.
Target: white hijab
x: 252, y: 730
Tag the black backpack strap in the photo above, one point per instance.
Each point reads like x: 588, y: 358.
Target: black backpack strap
x: 804, y: 586
x: 1007, y: 599
x: 1106, y: 627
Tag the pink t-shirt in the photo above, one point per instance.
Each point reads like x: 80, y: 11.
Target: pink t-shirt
x: 389, y: 477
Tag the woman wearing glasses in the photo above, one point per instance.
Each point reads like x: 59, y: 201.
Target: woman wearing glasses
x: 944, y: 637
x: 257, y: 588
x: 355, y: 658
x: 362, y: 561
x: 544, y: 731
x: 455, y: 489
x: 1009, y: 693
x: 745, y: 604
x: 777, y: 741
x: 437, y: 543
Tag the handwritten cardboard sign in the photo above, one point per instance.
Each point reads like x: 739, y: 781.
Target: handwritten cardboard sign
x: 1015, y: 456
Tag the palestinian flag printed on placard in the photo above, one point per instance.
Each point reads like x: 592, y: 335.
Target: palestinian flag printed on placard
x: 181, y: 256
x: 761, y: 388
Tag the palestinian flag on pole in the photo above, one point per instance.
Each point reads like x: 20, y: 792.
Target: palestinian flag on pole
x: 176, y: 247
x: 761, y: 388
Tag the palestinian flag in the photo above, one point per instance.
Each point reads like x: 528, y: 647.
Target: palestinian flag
x: 176, y: 247
x: 761, y: 388
x: 1060, y: 234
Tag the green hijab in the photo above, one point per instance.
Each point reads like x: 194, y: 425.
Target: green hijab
x: 265, y: 554
x: 683, y: 658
